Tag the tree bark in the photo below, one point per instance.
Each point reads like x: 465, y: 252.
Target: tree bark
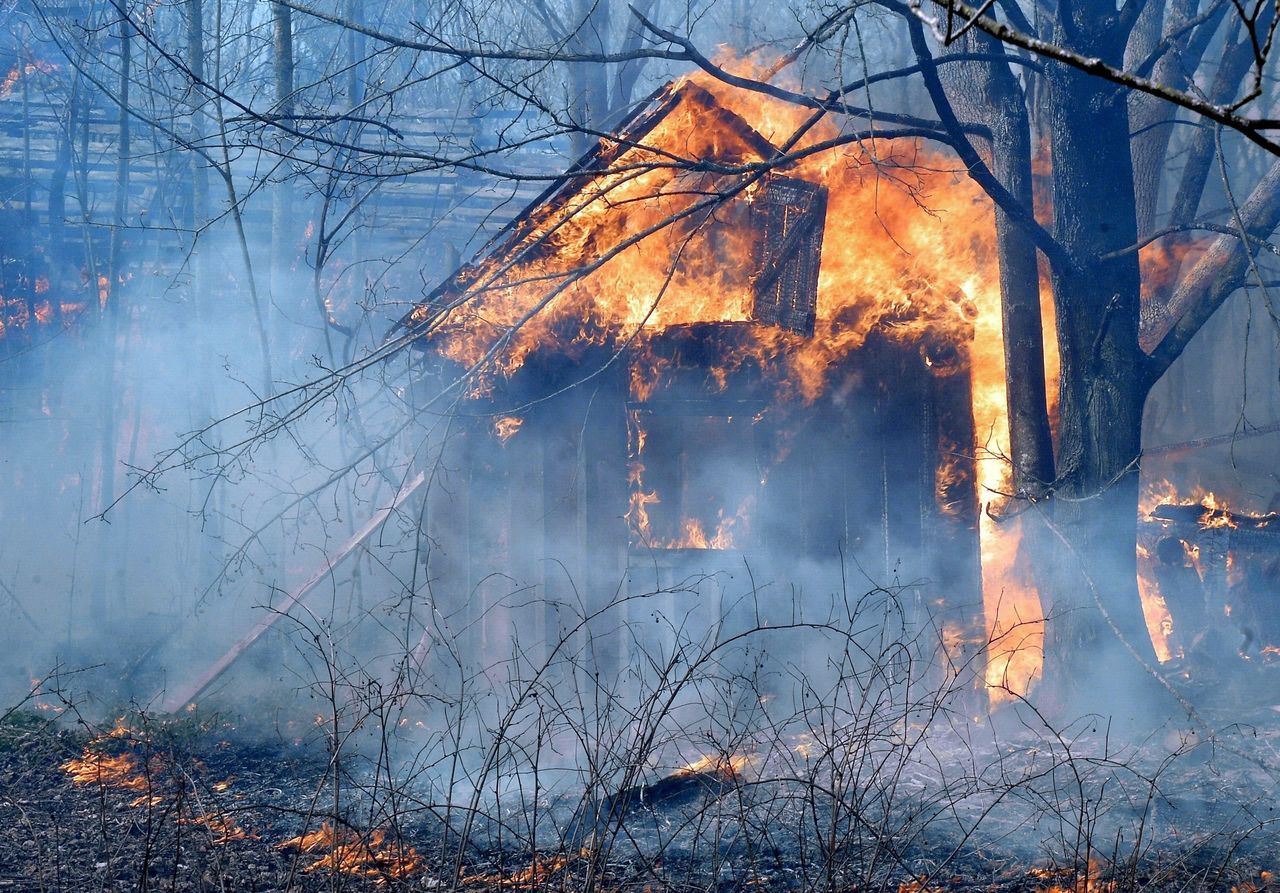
x: 58, y: 183
x: 1236, y: 60
x: 1217, y: 275
x: 588, y: 85
x: 988, y: 93
x: 1095, y: 626
x: 112, y: 314
x: 1151, y: 119
x: 281, y: 203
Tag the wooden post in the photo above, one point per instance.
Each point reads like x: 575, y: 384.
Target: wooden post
x: 562, y: 550
x: 184, y: 695
x: 488, y: 528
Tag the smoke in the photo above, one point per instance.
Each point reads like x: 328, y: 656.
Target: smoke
x: 158, y: 492
x: 609, y: 586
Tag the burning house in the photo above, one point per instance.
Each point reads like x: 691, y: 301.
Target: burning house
x: 687, y: 365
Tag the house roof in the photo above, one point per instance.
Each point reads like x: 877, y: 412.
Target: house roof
x: 718, y: 144
x: 688, y: 215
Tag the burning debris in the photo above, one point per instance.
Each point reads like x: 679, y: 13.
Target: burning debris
x: 372, y: 854
x: 542, y: 871
x: 1208, y: 574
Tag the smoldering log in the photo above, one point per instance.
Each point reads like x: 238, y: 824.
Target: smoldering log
x: 682, y: 788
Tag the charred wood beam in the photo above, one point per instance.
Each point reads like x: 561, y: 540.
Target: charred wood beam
x: 1203, y: 443
x: 681, y: 788
x: 791, y: 217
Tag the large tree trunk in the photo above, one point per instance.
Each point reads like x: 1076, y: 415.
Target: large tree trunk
x: 1095, y: 628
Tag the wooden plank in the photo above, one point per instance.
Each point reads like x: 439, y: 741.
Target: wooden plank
x: 181, y: 697
x: 790, y: 217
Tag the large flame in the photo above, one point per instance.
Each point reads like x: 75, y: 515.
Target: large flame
x: 907, y: 249
x: 659, y: 234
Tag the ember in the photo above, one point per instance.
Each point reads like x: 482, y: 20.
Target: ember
x: 540, y: 871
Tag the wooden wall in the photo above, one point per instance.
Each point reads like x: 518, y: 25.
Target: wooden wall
x: 531, y: 534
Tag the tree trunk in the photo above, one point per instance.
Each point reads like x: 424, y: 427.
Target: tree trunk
x: 208, y: 558
x: 355, y: 56
x: 588, y: 84
x: 112, y: 315
x: 1095, y: 626
x: 1237, y: 57
x: 988, y: 93
x: 281, y: 203
x: 58, y: 186
x: 1216, y: 275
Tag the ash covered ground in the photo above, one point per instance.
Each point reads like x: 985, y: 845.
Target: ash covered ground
x: 203, y: 803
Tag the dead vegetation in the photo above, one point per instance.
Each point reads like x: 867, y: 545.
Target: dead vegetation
x: 697, y: 771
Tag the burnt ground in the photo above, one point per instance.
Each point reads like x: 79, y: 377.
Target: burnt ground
x: 199, y: 805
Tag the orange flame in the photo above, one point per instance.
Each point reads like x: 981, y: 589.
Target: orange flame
x: 18, y: 72
x: 506, y: 427
x: 370, y: 855
x: 728, y: 765
x: 221, y: 829
x: 637, y: 246
x: 540, y: 869
x: 1154, y: 610
x: 119, y: 771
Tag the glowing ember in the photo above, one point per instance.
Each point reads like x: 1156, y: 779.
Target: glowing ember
x: 221, y: 829
x: 918, y: 885
x: 1069, y: 881
x: 538, y: 872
